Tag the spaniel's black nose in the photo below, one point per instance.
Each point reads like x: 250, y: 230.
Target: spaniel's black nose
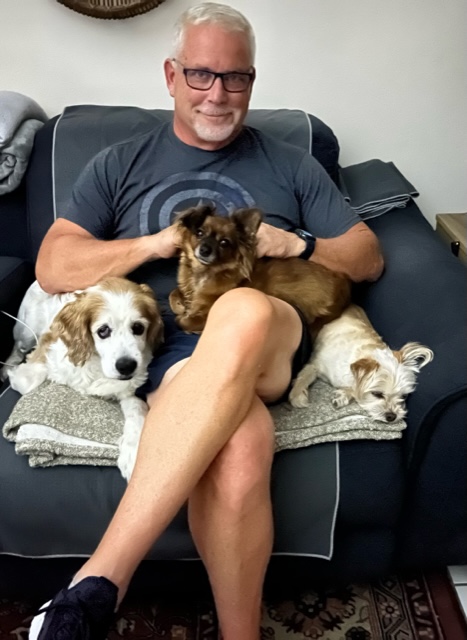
x: 125, y: 366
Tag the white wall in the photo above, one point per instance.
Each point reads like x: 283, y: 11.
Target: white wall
x: 389, y: 76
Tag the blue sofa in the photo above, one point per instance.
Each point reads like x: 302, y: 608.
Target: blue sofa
x: 402, y: 503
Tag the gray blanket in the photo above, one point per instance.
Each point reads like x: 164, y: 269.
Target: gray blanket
x: 375, y: 187
x: 20, y: 119
x: 55, y: 425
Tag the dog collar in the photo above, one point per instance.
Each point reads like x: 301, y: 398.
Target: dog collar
x: 310, y: 243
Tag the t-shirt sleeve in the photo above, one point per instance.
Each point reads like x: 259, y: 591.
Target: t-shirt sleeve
x: 324, y: 211
x: 90, y: 204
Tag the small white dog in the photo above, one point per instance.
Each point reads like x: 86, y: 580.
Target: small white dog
x: 350, y: 355
x: 98, y: 341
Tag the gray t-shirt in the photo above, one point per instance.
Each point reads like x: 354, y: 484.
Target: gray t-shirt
x: 138, y: 186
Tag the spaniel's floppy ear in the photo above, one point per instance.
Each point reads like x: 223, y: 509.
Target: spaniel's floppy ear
x: 72, y: 325
x: 247, y: 220
x: 194, y: 217
x: 414, y: 355
x: 150, y: 310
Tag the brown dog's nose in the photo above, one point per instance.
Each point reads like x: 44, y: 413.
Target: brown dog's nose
x: 205, y: 250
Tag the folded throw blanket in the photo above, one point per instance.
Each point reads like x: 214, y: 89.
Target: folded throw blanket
x: 55, y: 425
x: 375, y: 187
x: 20, y: 118
x: 321, y: 422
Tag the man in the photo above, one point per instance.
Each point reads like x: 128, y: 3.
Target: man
x: 209, y: 437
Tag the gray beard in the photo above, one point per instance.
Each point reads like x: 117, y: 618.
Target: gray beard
x: 213, y: 134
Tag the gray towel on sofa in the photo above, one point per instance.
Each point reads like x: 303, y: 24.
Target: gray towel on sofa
x: 375, y: 187
x: 55, y: 425
x: 20, y: 118
x: 321, y: 422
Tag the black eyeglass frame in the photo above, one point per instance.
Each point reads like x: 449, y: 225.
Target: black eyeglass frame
x: 214, y: 75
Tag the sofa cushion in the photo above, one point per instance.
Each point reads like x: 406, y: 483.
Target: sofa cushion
x: 13, y: 239
x: 63, y: 511
x: 96, y: 127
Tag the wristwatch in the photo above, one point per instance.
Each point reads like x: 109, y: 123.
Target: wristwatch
x: 310, y: 243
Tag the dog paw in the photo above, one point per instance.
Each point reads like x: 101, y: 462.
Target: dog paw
x: 340, y: 399
x: 134, y: 412
x: 176, y: 302
x: 128, y: 447
x: 27, y: 376
x: 126, y: 459
x: 299, y: 398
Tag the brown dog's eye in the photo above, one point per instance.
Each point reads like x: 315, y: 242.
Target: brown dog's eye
x: 224, y: 243
x: 104, y: 332
x: 378, y: 394
x: 137, y: 328
x: 199, y: 233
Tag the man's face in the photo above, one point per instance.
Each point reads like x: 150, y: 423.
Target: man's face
x: 209, y: 119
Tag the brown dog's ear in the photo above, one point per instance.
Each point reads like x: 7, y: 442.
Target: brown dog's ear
x: 247, y: 220
x: 194, y: 217
x: 73, y: 325
x: 363, y: 368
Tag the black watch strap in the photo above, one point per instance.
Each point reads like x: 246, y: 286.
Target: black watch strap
x: 310, y: 243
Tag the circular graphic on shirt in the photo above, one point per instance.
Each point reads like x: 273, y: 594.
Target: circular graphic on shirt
x: 189, y: 189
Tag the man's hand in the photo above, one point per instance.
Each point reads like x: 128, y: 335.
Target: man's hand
x: 277, y: 243
x: 167, y: 242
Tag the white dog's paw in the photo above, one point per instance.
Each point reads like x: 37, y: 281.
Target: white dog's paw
x: 126, y: 458
x: 340, y: 399
x: 27, y: 376
x: 134, y: 411
x: 298, y: 397
x: 16, y: 357
x: 109, y: 388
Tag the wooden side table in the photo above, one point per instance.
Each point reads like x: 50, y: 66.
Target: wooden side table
x: 452, y: 227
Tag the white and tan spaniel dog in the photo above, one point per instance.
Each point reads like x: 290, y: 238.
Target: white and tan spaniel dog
x: 350, y: 355
x: 98, y: 341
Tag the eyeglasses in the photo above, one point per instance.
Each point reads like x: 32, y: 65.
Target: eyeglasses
x: 202, y: 80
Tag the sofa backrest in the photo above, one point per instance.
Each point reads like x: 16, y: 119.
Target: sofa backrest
x: 67, y: 142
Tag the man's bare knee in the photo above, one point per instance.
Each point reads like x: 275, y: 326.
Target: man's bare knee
x: 243, y: 307
x: 242, y: 319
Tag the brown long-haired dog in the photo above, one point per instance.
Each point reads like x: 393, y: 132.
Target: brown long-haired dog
x: 219, y: 253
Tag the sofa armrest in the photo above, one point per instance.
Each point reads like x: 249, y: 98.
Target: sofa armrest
x: 14, y: 237
x: 421, y: 297
x: 15, y: 277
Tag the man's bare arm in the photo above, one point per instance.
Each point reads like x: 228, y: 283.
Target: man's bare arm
x: 71, y: 258
x: 355, y: 253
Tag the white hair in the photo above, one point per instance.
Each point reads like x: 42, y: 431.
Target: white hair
x: 213, y: 13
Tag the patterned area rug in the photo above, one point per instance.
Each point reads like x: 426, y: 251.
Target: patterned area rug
x: 392, y: 609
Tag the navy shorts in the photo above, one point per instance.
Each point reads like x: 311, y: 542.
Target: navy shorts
x: 179, y: 345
